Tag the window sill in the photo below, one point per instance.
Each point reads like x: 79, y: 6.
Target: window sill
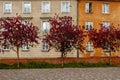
x: 45, y: 12
x: 45, y: 50
x: 6, y: 50
x: 89, y: 50
x: 89, y: 12
x: 88, y: 30
x: 65, y: 12
x: 106, y: 13
x: 25, y: 50
x: 106, y: 50
x: 26, y: 12
x: 7, y: 12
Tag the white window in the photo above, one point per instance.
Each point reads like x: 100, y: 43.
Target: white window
x: 106, y: 24
x: 65, y: 6
x: 6, y: 46
x: 45, y: 26
x: 26, y: 7
x: 7, y: 7
x: 46, y: 7
x: 105, y: 8
x: 89, y: 46
x: 45, y: 46
x: 88, y: 7
x: 89, y: 25
x: 25, y: 47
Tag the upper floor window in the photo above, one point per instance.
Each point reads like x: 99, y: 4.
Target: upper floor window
x: 25, y: 47
x: 88, y: 7
x: 106, y: 24
x: 46, y: 7
x: 45, y: 26
x: 7, y: 7
x: 89, y: 25
x: 26, y: 7
x: 105, y: 8
x: 65, y: 6
x: 89, y: 46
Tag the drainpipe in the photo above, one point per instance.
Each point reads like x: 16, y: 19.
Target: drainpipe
x: 77, y: 24
x: 77, y: 11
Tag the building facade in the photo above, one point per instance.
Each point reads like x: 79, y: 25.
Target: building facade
x: 38, y: 12
x: 92, y: 13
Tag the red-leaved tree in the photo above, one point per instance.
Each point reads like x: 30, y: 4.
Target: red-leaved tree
x: 106, y: 38
x: 64, y: 36
x: 17, y: 33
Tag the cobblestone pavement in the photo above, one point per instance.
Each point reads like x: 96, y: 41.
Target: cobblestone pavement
x: 62, y: 74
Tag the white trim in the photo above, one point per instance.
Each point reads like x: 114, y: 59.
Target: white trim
x: 47, y: 27
x: 103, y: 8
x: 106, y: 23
x: 25, y: 49
x: 7, y: 49
x: 42, y: 7
x: 4, y: 6
x: 87, y: 7
x: 89, y: 46
x: 46, y: 46
x: 88, y: 26
x: 68, y: 7
x: 23, y: 7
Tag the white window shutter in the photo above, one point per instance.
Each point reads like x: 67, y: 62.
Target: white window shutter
x: 46, y: 6
x: 8, y: 7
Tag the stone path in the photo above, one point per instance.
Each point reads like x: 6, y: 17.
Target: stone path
x: 62, y: 74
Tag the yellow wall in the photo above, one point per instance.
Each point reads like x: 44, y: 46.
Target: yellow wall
x: 98, y: 17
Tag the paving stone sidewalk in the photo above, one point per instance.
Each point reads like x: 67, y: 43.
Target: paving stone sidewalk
x: 62, y: 74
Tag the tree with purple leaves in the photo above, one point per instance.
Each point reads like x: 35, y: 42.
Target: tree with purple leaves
x: 64, y: 36
x: 106, y: 38
x: 17, y: 32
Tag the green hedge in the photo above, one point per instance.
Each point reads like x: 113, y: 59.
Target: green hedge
x: 31, y: 65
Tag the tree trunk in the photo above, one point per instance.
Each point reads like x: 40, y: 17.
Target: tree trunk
x: 62, y: 59
x: 18, y: 62
x: 77, y: 53
x: 110, y: 58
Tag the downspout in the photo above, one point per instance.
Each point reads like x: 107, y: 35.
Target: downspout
x: 77, y: 24
x: 77, y: 11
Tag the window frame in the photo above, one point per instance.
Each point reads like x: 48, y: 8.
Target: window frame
x: 45, y: 45
x: 88, y: 28
x: 26, y: 2
x: 106, y: 47
x: 7, y: 49
x: 108, y: 24
x: 88, y: 9
x: 6, y: 2
x: 89, y: 47
x: 104, y: 9
x: 66, y: 11
x: 44, y: 11
x: 46, y: 30
x: 25, y: 49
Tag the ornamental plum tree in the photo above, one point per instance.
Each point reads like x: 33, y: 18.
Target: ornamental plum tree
x: 105, y: 38
x: 64, y: 36
x: 17, y: 33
